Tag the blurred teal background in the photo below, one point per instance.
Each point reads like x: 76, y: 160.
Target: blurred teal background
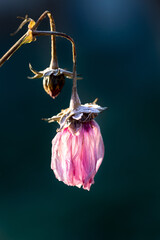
x: 118, y: 47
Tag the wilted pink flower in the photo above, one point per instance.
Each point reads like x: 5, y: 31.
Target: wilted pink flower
x: 77, y: 149
x: 76, y: 157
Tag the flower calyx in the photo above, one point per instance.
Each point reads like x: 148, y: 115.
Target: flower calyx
x: 73, y: 118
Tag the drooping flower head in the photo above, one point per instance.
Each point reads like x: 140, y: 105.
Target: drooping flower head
x: 53, y: 79
x: 77, y: 149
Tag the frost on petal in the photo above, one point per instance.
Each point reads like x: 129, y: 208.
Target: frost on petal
x: 77, y: 157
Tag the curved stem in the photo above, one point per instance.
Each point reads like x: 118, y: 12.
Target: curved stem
x: 40, y: 20
x: 54, y: 61
x: 75, y: 101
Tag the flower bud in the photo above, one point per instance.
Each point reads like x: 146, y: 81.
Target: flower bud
x: 53, y: 79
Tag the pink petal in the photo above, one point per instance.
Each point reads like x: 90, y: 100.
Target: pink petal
x: 77, y: 157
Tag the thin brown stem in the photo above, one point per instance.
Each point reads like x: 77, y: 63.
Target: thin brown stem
x: 40, y: 20
x: 60, y: 34
x: 54, y: 62
x: 10, y: 52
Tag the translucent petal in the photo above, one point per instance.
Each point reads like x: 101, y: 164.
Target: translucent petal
x: 77, y: 157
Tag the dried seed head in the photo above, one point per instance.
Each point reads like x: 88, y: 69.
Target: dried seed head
x: 53, y: 79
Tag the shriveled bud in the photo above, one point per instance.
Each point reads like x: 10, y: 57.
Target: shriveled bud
x: 53, y: 79
x: 53, y: 84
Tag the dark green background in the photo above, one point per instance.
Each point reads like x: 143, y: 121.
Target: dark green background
x: 118, y: 47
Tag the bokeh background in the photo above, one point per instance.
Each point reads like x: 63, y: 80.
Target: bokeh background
x: 118, y: 47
